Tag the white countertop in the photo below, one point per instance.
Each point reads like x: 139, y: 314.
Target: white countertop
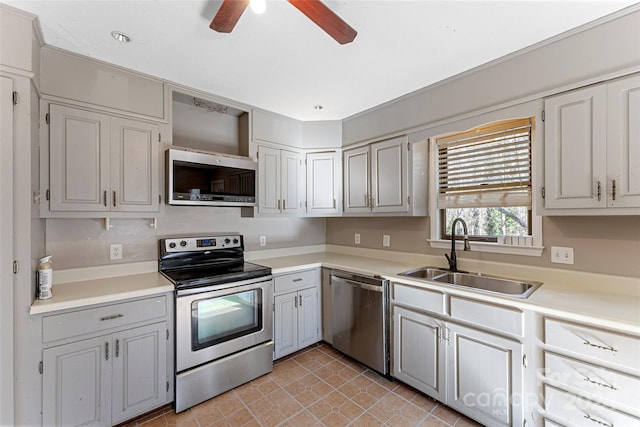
x: 607, y: 301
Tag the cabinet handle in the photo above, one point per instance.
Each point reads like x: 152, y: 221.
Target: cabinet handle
x: 589, y: 380
x: 279, y: 204
x: 599, y: 191
x: 334, y: 203
x: 601, y: 347
x: 114, y: 198
x: 597, y: 421
x: 117, y: 348
x: 300, y: 301
x: 373, y: 202
x: 104, y: 198
x: 111, y: 317
x: 299, y: 279
x: 295, y: 301
x: 284, y: 204
x: 613, y: 190
x: 106, y: 350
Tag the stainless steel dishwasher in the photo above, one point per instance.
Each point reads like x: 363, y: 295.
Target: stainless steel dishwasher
x: 360, y: 306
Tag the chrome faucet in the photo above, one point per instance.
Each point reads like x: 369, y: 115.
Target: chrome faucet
x: 453, y: 261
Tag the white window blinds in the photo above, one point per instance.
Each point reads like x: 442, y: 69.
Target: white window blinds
x: 486, y: 167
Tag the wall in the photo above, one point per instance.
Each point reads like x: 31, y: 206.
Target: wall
x: 607, y: 245
x: 601, y: 244
x: 538, y: 71
x: 85, y: 242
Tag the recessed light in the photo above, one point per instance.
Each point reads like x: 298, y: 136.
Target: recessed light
x: 120, y: 36
x: 318, y: 107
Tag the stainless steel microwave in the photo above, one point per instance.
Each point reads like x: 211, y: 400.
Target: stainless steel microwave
x: 210, y: 179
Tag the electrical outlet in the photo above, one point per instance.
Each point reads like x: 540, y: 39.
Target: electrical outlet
x: 356, y: 238
x: 561, y: 255
x: 263, y: 240
x: 386, y: 240
x: 115, y: 251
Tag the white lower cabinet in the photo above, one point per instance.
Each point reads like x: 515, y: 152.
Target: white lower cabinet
x: 107, y: 379
x: 477, y: 372
x: 112, y: 372
x: 297, y: 313
x: 591, y: 375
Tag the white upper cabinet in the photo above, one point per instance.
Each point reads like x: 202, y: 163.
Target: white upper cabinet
x: 324, y: 184
x: 274, y: 128
x: 280, y: 181
x: 592, y: 142
x: 100, y: 163
x: 389, y: 175
x: 386, y: 177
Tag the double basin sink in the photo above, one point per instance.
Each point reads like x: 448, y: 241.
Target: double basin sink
x: 477, y: 281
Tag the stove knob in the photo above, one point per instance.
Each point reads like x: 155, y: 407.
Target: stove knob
x: 183, y: 243
x: 227, y: 241
x: 235, y: 241
x: 172, y: 245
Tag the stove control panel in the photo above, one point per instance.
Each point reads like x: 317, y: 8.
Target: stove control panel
x: 203, y: 243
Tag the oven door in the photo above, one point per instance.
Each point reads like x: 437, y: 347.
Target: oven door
x: 212, y: 323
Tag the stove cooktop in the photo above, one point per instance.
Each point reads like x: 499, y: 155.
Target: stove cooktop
x: 198, y: 276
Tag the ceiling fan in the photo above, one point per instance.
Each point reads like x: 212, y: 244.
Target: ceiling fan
x: 231, y: 10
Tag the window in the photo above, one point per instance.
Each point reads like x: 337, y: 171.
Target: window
x: 484, y: 177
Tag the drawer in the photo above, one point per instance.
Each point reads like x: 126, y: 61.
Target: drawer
x: 422, y: 299
x: 496, y: 317
x: 298, y: 280
x: 604, y: 385
x: 606, y: 346
x: 92, y: 320
x: 575, y: 411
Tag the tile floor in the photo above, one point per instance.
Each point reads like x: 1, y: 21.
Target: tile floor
x: 315, y: 387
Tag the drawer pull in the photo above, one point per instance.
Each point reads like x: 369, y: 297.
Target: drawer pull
x: 601, y: 347
x: 589, y: 380
x: 111, y: 317
x: 299, y: 279
x: 597, y: 421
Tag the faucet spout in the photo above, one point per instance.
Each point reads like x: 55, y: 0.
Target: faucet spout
x: 452, y: 258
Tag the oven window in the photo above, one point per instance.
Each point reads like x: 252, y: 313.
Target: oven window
x: 220, y: 319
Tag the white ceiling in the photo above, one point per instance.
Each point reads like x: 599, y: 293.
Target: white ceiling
x: 280, y: 61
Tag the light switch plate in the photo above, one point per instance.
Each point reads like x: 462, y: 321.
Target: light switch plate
x: 561, y: 255
x: 263, y: 240
x: 386, y: 240
x: 356, y: 238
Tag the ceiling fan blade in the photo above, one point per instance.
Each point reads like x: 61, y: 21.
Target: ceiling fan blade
x: 324, y: 17
x: 228, y: 14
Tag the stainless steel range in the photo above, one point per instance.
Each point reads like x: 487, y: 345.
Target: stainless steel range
x: 224, y: 330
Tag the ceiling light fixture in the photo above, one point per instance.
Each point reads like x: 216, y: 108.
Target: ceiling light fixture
x: 120, y: 36
x: 258, y: 6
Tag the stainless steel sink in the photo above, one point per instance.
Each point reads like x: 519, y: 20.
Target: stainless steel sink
x: 424, y: 272
x: 492, y: 284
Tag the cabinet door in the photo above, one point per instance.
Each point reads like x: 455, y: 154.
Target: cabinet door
x: 308, y: 317
x: 356, y: 180
x: 139, y: 371
x: 134, y: 166
x: 389, y: 175
x: 76, y: 383
x: 291, y: 184
x: 484, y: 376
x: 79, y: 147
x: 285, y: 319
x: 419, y: 352
x: 268, y: 180
x: 323, y: 184
x: 575, y: 149
x: 623, y: 154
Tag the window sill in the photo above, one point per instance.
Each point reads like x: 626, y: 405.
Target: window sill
x: 490, y: 247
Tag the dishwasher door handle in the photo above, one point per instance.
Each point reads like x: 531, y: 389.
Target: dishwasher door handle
x: 335, y: 279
